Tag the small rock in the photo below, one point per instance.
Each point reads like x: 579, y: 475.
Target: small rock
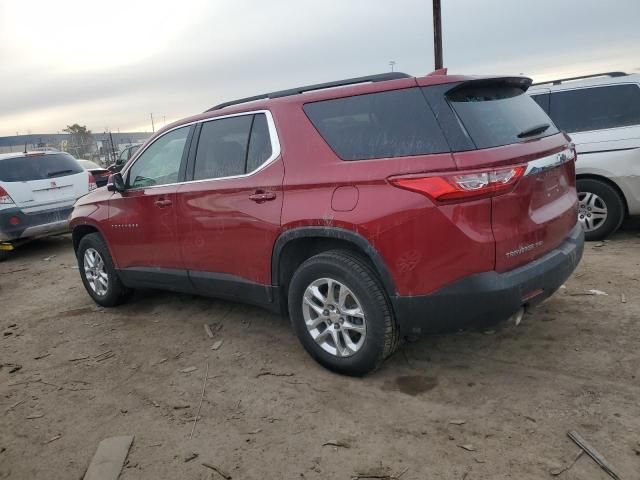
x: 457, y: 422
x: 188, y: 369
x: 33, y: 416
x: 468, y: 447
x: 216, y: 345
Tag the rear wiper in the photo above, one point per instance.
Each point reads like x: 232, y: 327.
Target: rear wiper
x: 533, y: 130
x: 58, y: 173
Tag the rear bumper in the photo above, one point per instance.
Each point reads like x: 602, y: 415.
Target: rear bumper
x: 49, y: 222
x: 490, y: 297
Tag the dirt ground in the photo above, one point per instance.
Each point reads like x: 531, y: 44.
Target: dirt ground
x: 470, y: 405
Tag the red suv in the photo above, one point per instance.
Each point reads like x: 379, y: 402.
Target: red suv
x: 385, y: 208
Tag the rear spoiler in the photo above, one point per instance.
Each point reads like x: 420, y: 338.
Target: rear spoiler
x: 519, y: 82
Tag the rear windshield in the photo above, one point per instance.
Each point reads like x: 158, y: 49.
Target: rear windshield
x: 396, y: 123
x: 496, y: 115
x: 38, y: 167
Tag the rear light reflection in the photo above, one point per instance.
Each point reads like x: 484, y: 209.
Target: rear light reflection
x: 463, y: 186
x: 5, y: 198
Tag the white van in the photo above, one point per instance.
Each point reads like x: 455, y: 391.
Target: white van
x: 601, y: 113
x: 37, y: 193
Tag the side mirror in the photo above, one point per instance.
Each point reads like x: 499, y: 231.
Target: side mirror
x: 115, y: 183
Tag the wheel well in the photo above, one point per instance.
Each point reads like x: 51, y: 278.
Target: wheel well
x: 611, y: 183
x: 79, y: 232
x: 297, y: 251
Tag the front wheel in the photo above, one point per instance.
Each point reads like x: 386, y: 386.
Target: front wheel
x: 600, y: 208
x: 98, y: 273
x: 341, y: 313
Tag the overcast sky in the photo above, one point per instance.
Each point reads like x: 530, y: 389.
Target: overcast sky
x: 109, y: 64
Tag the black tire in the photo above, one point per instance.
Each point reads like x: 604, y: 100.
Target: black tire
x: 382, y: 334
x: 613, y: 202
x: 3, y: 255
x: 116, y: 293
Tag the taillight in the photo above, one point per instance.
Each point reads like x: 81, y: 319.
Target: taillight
x: 5, y: 198
x: 92, y: 183
x: 463, y: 186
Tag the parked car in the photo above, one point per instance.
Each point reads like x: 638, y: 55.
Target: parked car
x: 100, y: 174
x: 602, y: 114
x: 387, y: 208
x: 37, y: 193
x: 124, y: 157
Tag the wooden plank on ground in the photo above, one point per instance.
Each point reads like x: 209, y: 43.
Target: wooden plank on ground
x: 109, y: 458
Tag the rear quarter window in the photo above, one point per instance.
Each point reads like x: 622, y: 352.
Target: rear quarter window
x: 38, y: 167
x: 596, y: 108
x: 396, y: 123
x: 498, y: 114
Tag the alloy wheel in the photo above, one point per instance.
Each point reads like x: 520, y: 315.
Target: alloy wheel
x: 95, y: 271
x: 334, y: 317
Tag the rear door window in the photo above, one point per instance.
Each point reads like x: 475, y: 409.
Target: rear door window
x: 596, y: 108
x: 499, y: 114
x: 38, y: 167
x: 232, y: 146
x: 396, y: 123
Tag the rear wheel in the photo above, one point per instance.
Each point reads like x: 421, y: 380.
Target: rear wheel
x: 3, y: 255
x: 341, y: 313
x: 600, y: 208
x: 98, y: 273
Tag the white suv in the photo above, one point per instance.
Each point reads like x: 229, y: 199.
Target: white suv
x: 601, y: 113
x: 37, y: 193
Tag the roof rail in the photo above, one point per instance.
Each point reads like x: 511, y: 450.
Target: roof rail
x: 606, y: 74
x: 381, y: 77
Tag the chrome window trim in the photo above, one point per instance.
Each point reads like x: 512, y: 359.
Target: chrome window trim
x: 550, y: 161
x: 273, y: 137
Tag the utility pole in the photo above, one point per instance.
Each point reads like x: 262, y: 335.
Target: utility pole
x: 391, y: 64
x: 437, y: 34
x: 153, y: 129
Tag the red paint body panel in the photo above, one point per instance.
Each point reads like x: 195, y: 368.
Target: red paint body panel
x: 141, y: 233
x: 221, y: 230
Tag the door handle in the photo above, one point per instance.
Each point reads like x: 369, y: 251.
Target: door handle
x: 262, y: 196
x: 162, y: 203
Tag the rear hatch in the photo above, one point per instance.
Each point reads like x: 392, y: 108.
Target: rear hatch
x: 38, y: 182
x: 511, y: 132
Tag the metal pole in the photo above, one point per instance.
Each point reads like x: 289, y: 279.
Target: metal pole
x: 437, y: 34
x: 153, y: 129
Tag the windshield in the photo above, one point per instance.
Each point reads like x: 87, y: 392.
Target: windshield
x: 38, y: 167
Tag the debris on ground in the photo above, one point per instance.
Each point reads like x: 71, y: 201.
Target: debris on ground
x: 623, y: 298
x: 33, y: 416
x: 208, y: 331
x: 41, y: 356
x: 78, y: 358
x: 191, y: 456
x: 593, y: 453
x: 109, y: 458
x: 592, y: 291
x: 557, y: 471
x: 337, y: 443
x: 188, y: 370
x: 457, y: 422
x: 217, y: 469
x: 468, y: 447
x: 265, y: 373
x: 204, y: 386
x: 216, y: 345
x: 379, y: 475
x: 49, y: 258
x: 52, y: 439
x: 15, y: 405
